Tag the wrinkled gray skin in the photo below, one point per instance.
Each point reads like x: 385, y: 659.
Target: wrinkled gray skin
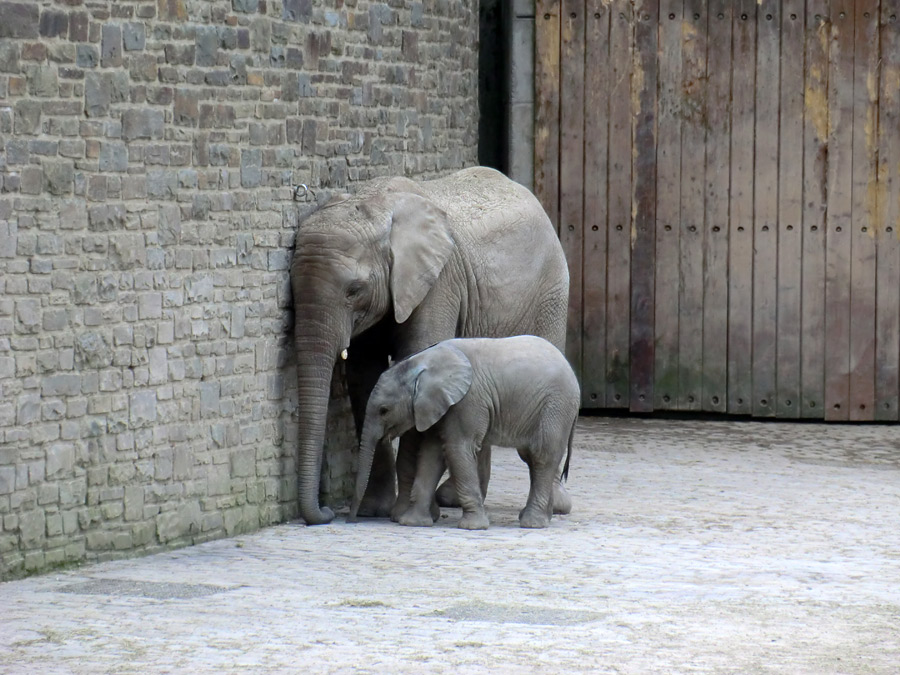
x: 464, y: 395
x: 398, y: 267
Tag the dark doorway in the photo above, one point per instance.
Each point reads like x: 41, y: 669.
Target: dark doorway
x: 493, y: 91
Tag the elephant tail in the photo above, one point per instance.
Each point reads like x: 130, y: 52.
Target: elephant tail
x: 565, y: 472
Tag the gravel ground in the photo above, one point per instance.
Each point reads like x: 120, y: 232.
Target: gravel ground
x: 693, y: 547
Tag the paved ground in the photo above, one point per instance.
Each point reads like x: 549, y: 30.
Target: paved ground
x: 694, y: 547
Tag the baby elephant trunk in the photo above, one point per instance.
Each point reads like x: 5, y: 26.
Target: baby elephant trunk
x: 371, y: 435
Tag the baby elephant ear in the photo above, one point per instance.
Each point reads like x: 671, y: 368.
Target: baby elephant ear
x: 445, y: 378
x: 420, y: 244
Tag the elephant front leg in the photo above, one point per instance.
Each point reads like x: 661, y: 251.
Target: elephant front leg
x: 446, y: 493
x: 461, y: 458
x: 423, y: 510
x: 407, y: 459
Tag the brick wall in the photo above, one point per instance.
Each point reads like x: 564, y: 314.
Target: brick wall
x: 147, y: 153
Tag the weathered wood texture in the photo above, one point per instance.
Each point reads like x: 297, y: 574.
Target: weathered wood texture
x: 887, y: 319
x: 596, y: 198
x: 618, y: 232
x: 571, y: 165
x: 740, y: 252
x: 790, y: 212
x: 725, y: 178
x: 668, y: 204
x: 718, y: 161
x: 546, y: 105
x: 643, y: 225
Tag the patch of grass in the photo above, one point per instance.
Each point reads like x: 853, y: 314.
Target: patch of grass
x: 361, y: 602
x: 133, y: 648
x: 53, y: 636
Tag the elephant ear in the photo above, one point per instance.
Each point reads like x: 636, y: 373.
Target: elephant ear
x: 421, y: 245
x: 443, y: 381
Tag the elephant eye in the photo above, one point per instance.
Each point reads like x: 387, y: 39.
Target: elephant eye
x: 355, y: 289
x: 383, y: 410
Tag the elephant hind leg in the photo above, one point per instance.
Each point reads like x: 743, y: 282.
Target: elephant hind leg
x: 550, y: 319
x: 484, y: 469
x: 562, y: 502
x: 552, y: 448
x: 538, y: 509
x: 446, y: 495
x: 547, y: 495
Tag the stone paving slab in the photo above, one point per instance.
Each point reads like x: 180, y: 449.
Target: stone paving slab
x: 693, y: 547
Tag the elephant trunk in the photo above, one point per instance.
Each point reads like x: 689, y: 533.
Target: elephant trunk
x: 317, y: 347
x: 371, y: 435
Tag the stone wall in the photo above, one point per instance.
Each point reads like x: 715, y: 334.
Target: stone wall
x: 146, y: 220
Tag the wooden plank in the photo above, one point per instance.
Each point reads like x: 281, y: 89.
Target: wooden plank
x: 838, y: 219
x: 887, y: 312
x: 815, y: 154
x: 596, y: 158
x: 619, y: 230
x: 546, y: 106
x: 643, y: 235
x: 740, y: 254
x: 718, y: 158
x: 571, y: 170
x: 668, y: 205
x: 865, y: 211
x: 765, y: 216
x: 693, y: 178
x: 790, y: 211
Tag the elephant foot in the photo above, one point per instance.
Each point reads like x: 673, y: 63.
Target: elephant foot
x: 435, y: 511
x: 562, y: 502
x: 446, y: 495
x: 533, y: 519
x: 375, y: 506
x: 400, y: 507
x: 413, y: 518
x: 474, y: 521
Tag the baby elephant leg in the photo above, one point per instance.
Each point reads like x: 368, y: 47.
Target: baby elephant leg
x: 407, y: 458
x: 562, y: 502
x: 423, y: 510
x: 446, y: 493
x: 484, y: 469
x: 539, y: 507
x: 461, y: 458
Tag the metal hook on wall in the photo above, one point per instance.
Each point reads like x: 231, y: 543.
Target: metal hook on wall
x: 303, y: 192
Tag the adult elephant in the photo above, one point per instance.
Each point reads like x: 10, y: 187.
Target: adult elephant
x: 398, y: 267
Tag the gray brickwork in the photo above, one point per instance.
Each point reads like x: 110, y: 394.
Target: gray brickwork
x: 147, y: 154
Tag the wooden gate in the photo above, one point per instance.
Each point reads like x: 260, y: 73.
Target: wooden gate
x: 725, y: 175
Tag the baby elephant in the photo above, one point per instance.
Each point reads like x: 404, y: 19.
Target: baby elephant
x: 465, y: 395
